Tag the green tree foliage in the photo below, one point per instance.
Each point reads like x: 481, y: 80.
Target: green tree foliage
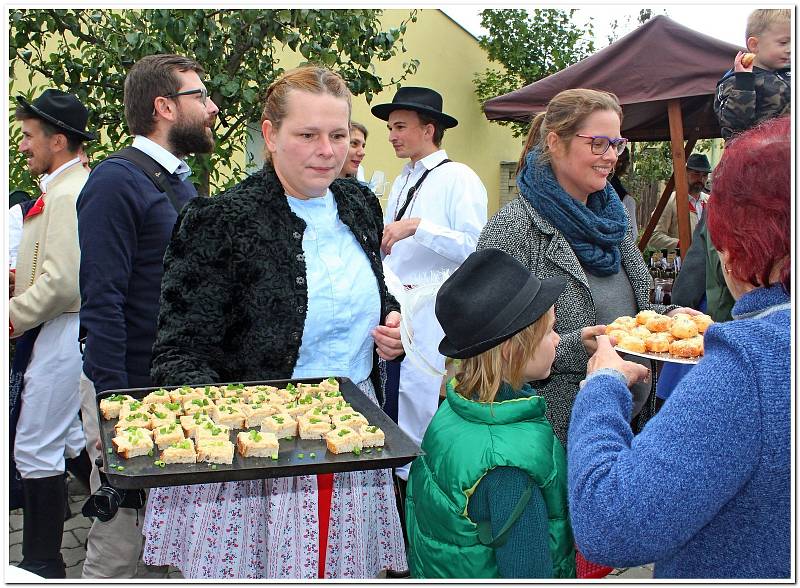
x: 88, y: 52
x: 529, y: 45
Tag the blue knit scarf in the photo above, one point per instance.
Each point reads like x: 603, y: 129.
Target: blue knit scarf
x: 594, y: 230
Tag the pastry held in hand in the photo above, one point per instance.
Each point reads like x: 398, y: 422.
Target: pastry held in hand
x: 747, y: 59
x: 632, y: 343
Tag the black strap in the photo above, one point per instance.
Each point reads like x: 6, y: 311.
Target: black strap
x: 485, y: 527
x: 158, y: 175
x: 152, y: 169
x: 415, y: 187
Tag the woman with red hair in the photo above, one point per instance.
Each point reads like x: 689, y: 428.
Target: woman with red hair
x: 704, y: 490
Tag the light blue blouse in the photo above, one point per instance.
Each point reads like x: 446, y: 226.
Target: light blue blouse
x: 343, y: 299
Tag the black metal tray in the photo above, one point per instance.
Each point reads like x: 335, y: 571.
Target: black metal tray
x: 141, y: 472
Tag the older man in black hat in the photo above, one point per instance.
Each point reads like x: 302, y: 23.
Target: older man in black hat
x: 665, y: 235
x: 435, y: 212
x: 46, y: 298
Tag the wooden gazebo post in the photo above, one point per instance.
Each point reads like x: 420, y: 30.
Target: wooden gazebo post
x: 676, y: 182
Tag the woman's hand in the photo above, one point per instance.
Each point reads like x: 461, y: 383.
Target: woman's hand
x: 606, y: 357
x: 588, y: 337
x: 387, y: 337
x: 683, y: 309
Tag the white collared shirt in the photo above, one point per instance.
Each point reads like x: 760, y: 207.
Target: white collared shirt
x: 451, y: 204
x: 47, y: 178
x: 164, y: 158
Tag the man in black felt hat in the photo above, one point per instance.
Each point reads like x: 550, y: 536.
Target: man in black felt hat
x: 43, y: 312
x: 665, y: 235
x: 435, y: 212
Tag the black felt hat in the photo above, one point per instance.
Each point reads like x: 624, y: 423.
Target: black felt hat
x: 698, y: 162
x: 422, y: 100
x: 488, y: 299
x: 61, y: 109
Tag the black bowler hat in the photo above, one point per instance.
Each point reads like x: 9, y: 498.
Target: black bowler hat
x: 422, y: 100
x: 489, y: 299
x: 61, y: 109
x: 698, y: 162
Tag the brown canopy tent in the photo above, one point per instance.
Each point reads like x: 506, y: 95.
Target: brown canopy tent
x: 665, y: 76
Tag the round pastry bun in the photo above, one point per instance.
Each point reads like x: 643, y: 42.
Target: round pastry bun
x: 692, y: 347
x: 658, y: 342
x: 683, y: 329
x: 658, y: 324
x: 632, y: 343
x: 703, y: 321
x: 747, y: 59
x: 641, y: 317
x: 625, y: 322
x: 616, y: 333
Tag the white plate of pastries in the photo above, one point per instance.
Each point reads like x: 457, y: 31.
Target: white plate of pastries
x: 677, y: 339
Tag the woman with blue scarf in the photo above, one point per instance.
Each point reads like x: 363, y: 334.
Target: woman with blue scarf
x: 568, y: 221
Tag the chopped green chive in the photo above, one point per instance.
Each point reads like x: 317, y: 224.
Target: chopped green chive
x: 312, y: 454
x: 301, y: 455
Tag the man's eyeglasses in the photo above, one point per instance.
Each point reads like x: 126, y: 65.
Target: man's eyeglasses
x: 600, y: 144
x: 202, y: 91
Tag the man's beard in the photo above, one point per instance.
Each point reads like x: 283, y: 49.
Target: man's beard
x: 696, y: 188
x: 187, y: 137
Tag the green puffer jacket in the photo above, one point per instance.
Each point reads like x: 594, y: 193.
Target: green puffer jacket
x: 465, y: 440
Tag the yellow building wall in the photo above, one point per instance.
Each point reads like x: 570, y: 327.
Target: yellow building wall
x: 449, y: 58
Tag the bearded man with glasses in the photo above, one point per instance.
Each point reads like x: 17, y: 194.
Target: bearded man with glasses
x: 125, y: 220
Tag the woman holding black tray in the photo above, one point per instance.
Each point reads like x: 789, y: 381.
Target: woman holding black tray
x: 280, y: 277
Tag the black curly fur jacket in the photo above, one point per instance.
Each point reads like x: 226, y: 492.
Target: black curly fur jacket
x: 234, y: 296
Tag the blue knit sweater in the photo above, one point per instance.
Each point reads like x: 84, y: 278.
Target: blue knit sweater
x: 124, y: 227
x: 704, y: 490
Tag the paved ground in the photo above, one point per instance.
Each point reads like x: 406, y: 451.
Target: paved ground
x: 76, y: 529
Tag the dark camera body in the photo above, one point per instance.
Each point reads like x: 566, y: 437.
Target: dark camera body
x: 105, y: 503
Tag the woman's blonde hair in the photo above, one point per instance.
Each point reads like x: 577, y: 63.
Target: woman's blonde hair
x: 486, y: 372
x: 310, y: 78
x: 565, y: 114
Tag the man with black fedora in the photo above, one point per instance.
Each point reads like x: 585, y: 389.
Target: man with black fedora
x: 435, y: 212
x: 665, y: 235
x: 46, y: 299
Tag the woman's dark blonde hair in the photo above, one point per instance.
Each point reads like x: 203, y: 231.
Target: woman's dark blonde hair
x: 310, y: 78
x: 565, y: 114
x: 486, y: 372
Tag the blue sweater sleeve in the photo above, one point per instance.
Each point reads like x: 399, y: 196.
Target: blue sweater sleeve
x: 526, y: 553
x: 109, y: 214
x: 638, y: 500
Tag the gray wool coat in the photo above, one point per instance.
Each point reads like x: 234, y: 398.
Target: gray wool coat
x: 519, y: 230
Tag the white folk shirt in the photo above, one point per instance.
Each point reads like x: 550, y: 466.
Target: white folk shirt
x: 452, y: 204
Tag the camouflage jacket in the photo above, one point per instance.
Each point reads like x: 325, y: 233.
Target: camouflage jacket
x: 745, y: 99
